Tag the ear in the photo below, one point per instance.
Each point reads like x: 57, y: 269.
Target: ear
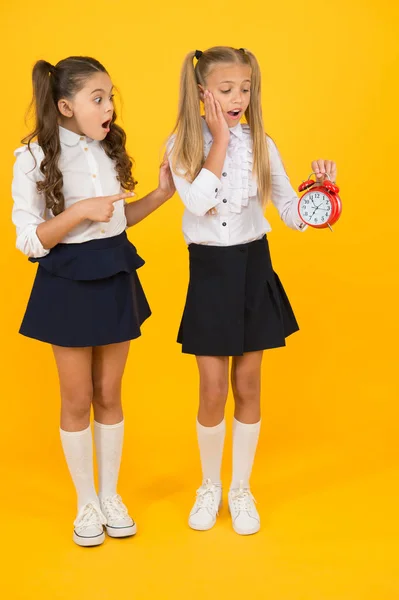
x: 201, y: 91
x: 65, y: 108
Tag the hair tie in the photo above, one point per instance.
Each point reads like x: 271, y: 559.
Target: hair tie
x: 198, y: 54
x: 52, y: 70
x: 242, y: 50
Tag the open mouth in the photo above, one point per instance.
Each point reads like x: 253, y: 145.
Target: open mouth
x: 234, y: 114
x: 106, y: 125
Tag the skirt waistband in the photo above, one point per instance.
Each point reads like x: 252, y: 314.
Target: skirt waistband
x: 208, y: 250
x: 95, y: 259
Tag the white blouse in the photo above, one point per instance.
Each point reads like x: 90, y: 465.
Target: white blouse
x: 87, y: 172
x: 239, y: 217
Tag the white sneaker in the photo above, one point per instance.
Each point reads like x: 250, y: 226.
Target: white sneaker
x: 244, y: 515
x: 89, y: 530
x: 118, y: 522
x: 206, y: 507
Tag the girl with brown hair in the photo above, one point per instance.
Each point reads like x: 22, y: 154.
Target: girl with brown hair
x: 71, y: 180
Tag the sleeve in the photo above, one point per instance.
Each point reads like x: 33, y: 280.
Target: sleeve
x: 200, y: 195
x: 29, y: 207
x: 284, y: 196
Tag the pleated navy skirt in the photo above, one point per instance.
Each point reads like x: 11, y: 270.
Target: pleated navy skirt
x: 235, y: 302
x: 87, y: 294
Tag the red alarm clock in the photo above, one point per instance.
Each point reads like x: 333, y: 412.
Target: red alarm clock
x: 320, y: 206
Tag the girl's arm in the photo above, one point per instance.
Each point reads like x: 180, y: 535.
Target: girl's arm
x: 200, y: 196
x: 139, y: 210
x: 284, y: 197
x: 36, y: 235
x: 28, y: 210
x: 52, y: 232
x: 99, y: 209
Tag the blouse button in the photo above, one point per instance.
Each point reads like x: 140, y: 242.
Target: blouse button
x: 216, y: 191
x: 224, y: 223
x: 82, y: 137
x: 224, y: 200
x: 94, y: 175
x: 102, y: 230
x: 86, y: 149
x: 224, y: 174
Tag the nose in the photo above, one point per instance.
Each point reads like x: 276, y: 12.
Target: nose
x: 238, y: 98
x: 110, y: 106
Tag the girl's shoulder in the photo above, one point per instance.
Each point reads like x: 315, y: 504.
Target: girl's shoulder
x: 274, y: 152
x: 33, y: 148
x: 170, y: 142
x: 29, y: 157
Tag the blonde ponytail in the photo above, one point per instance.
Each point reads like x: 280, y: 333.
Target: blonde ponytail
x: 188, y: 149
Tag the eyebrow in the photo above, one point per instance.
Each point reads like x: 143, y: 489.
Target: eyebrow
x: 245, y: 80
x: 100, y: 90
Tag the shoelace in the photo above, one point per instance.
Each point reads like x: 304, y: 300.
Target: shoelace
x: 206, y: 496
x: 90, y: 515
x: 114, y: 507
x: 242, y: 500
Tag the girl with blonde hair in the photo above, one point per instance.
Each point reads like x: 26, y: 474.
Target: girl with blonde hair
x: 225, y: 169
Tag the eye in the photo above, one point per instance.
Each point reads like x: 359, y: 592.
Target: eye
x: 246, y: 91
x: 225, y: 91
x: 112, y: 97
x: 98, y: 100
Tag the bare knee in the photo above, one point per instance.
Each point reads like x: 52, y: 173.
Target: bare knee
x: 76, y: 403
x: 246, y: 387
x: 106, y: 393
x: 213, y: 394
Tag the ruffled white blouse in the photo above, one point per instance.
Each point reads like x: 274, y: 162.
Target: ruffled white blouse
x: 239, y: 218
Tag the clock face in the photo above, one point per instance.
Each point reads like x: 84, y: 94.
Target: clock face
x: 315, y: 208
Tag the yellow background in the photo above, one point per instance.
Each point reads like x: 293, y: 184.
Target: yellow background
x: 326, y: 475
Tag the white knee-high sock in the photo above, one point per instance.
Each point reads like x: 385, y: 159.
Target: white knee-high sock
x: 245, y: 441
x: 109, y: 442
x: 78, y: 450
x: 211, y: 443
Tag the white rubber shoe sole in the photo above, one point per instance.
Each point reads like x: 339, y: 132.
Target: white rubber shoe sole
x: 87, y: 542
x: 121, y: 532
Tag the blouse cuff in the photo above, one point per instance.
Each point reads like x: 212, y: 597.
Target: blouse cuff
x: 208, y: 185
x: 29, y: 243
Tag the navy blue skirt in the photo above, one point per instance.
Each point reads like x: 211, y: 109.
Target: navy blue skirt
x: 235, y: 302
x: 87, y: 294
